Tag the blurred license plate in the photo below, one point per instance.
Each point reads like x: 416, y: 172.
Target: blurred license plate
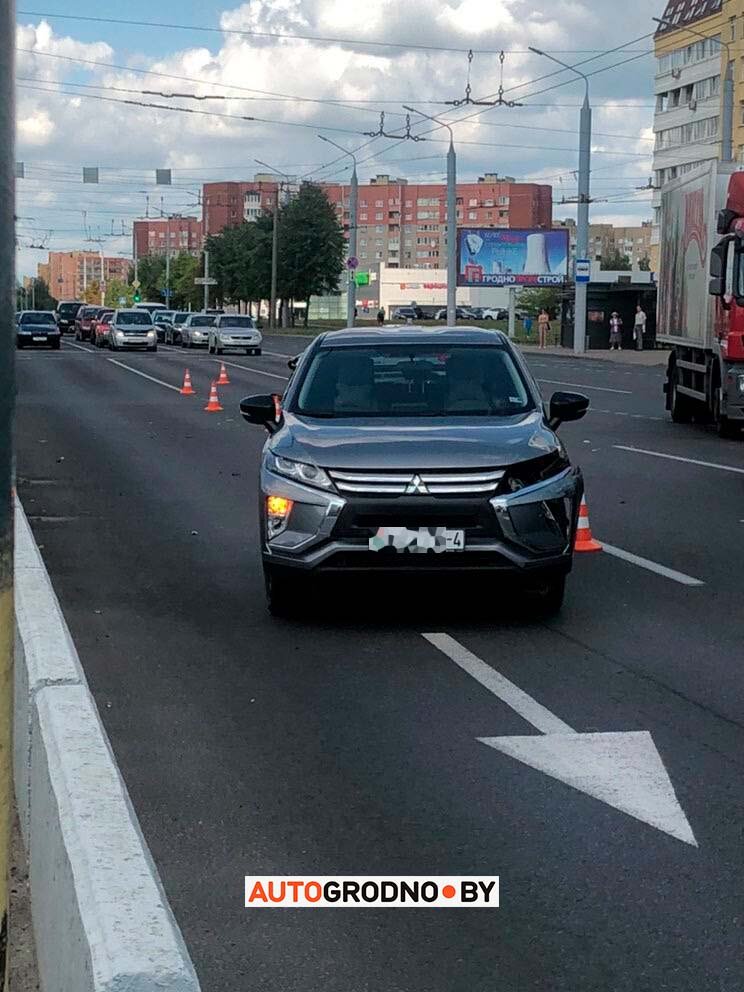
x: 419, y: 540
x: 39, y: 337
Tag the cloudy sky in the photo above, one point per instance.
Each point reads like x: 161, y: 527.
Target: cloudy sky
x: 354, y: 60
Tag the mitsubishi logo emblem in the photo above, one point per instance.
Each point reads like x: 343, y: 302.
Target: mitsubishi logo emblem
x: 416, y: 486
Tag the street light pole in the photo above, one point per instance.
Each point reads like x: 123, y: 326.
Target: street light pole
x: 727, y: 108
x: 353, y: 198
x: 274, y: 241
x: 451, y: 219
x: 582, y: 209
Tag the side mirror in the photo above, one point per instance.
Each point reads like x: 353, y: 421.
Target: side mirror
x: 293, y: 362
x: 567, y: 406
x: 718, y: 259
x: 264, y: 409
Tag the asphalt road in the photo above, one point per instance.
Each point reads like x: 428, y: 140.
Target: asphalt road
x: 344, y: 742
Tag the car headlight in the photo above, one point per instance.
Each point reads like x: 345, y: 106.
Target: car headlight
x: 310, y: 475
x: 119, y: 335
x: 151, y: 334
x: 534, y: 470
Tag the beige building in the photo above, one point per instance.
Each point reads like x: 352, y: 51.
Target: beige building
x: 605, y: 239
x: 70, y: 273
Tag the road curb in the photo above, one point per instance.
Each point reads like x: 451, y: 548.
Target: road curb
x: 101, y: 920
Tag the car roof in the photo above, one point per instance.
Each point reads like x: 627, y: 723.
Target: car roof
x: 140, y: 313
x: 412, y: 334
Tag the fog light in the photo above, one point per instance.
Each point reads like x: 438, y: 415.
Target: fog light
x: 278, y: 506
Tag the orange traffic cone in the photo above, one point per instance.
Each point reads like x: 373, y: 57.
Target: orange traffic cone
x: 187, y: 389
x: 223, y: 380
x: 214, y: 401
x: 584, y: 540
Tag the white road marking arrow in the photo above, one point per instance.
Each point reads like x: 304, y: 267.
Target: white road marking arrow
x: 621, y: 769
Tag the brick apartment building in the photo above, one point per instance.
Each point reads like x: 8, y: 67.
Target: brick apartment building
x: 70, y: 272
x: 399, y: 223
x: 151, y: 235
x: 604, y: 239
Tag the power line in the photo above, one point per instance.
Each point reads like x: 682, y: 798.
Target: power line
x: 285, y: 36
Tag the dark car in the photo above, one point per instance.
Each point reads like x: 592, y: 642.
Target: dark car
x: 416, y: 449
x: 407, y: 313
x: 173, y: 333
x: 37, y: 327
x: 84, y: 329
x: 66, y: 313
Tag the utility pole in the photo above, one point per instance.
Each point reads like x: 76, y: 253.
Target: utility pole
x: 167, y: 262
x: 353, y: 198
x: 206, y: 280
x: 727, y: 106
x: 7, y: 399
x: 451, y: 219
x: 582, y: 209
x: 274, y: 239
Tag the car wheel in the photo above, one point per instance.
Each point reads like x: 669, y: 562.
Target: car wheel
x: 19, y: 345
x: 282, y: 591
x: 154, y: 348
x: 55, y: 345
x: 547, y: 597
x: 218, y: 351
x: 256, y: 351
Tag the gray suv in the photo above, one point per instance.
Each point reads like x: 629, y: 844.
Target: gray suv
x: 415, y: 450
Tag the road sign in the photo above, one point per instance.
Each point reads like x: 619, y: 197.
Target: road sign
x: 583, y: 269
x: 352, y: 262
x: 622, y: 769
x: 136, y: 284
x: 201, y: 281
x: 167, y: 293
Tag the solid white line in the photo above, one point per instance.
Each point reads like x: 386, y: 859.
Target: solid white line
x: 679, y: 458
x: 234, y: 365
x: 527, y: 707
x: 652, y: 566
x: 144, y: 375
x: 583, y: 385
x: 71, y: 344
x: 278, y: 354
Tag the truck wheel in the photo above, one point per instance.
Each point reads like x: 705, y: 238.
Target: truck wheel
x: 724, y: 427
x: 679, y: 406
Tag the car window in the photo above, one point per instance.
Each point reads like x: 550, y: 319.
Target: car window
x: 236, y: 322
x: 204, y: 321
x: 181, y: 318
x: 133, y: 319
x: 414, y: 381
x: 38, y: 317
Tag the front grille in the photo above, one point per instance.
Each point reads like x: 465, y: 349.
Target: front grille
x: 445, y: 482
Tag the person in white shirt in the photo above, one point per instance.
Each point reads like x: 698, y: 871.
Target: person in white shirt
x: 639, y: 328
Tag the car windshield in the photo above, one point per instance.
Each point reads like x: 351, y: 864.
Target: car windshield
x: 236, y: 322
x: 205, y: 321
x: 426, y: 380
x: 133, y: 318
x: 181, y: 318
x: 68, y: 309
x: 38, y: 317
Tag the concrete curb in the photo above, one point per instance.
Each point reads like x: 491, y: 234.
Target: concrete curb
x: 101, y: 919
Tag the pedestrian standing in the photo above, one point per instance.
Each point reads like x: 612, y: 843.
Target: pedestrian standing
x: 527, y: 324
x: 543, y: 327
x: 380, y: 316
x: 616, y: 330
x: 639, y: 328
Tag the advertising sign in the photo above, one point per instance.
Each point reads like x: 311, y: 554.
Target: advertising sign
x: 488, y: 256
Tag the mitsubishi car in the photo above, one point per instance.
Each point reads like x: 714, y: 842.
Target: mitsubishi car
x: 416, y: 450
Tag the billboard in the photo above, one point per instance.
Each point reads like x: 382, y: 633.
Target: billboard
x: 492, y: 256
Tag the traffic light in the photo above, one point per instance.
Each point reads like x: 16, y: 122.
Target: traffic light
x: 137, y: 296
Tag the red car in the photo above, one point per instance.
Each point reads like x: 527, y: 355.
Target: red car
x: 83, y: 329
x: 101, y: 329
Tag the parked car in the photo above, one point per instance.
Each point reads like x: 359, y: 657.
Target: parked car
x: 195, y: 330
x: 173, y: 332
x: 83, y: 322
x: 407, y: 313
x: 234, y: 332
x: 132, y: 329
x: 494, y: 313
x: 36, y: 327
x: 461, y: 313
x: 163, y: 320
x: 435, y: 442
x: 66, y: 313
x: 103, y: 329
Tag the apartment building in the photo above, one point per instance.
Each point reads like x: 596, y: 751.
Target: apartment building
x: 71, y: 272
x: 153, y: 235
x: 687, y: 85
x: 605, y: 239
x: 399, y: 223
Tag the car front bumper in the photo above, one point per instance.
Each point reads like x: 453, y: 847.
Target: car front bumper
x: 39, y: 339
x: 531, y: 530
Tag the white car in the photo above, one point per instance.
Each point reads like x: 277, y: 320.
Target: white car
x: 233, y: 332
x: 195, y: 330
x: 132, y: 329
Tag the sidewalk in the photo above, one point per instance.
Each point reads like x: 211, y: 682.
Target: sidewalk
x: 645, y: 358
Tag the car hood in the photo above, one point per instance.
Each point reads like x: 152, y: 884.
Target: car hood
x: 414, y: 444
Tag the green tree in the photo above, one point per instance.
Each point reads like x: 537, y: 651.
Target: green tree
x: 117, y: 289
x: 645, y: 264
x: 537, y: 299
x: 615, y: 261
x: 186, y: 294
x: 151, y: 274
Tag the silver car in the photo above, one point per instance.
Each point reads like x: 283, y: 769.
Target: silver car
x: 132, y: 329
x: 195, y: 330
x: 234, y: 332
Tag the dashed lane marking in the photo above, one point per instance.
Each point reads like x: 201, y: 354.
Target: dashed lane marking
x: 584, y: 385
x: 652, y: 566
x: 679, y: 458
x: 144, y: 375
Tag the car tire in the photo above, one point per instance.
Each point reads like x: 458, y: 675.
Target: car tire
x: 154, y: 348
x: 55, y: 345
x: 256, y: 351
x: 218, y: 351
x: 19, y: 345
x: 547, y: 596
x: 282, y: 597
